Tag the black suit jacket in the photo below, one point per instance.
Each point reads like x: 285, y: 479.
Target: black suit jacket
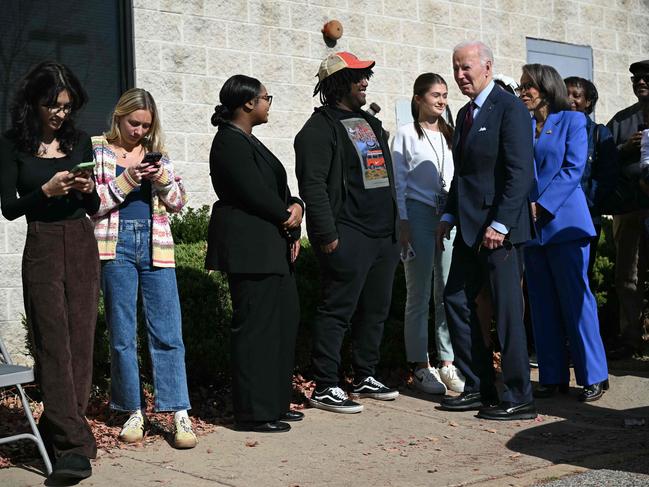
x: 245, y: 233
x: 495, y: 170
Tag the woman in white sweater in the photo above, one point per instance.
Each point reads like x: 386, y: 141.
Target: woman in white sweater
x: 423, y: 163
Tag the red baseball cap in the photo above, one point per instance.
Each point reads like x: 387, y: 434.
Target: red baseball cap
x: 341, y: 60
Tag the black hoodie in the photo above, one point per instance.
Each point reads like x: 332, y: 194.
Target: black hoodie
x: 322, y: 149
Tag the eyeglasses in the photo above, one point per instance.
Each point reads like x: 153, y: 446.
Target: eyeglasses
x: 66, y: 109
x: 525, y: 87
x: 640, y: 77
x: 268, y: 98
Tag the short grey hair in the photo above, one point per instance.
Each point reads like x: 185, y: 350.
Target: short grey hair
x: 484, y: 51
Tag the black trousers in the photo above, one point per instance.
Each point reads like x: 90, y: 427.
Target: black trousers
x: 61, y: 293
x: 265, y: 318
x: 501, y: 270
x: 356, y: 287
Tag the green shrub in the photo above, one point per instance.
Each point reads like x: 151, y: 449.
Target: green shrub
x: 190, y: 225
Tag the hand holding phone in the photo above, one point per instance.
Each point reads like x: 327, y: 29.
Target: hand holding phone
x: 152, y: 159
x: 83, y: 166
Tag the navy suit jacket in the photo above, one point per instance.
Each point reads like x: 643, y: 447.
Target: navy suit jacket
x: 495, y: 170
x: 560, y: 158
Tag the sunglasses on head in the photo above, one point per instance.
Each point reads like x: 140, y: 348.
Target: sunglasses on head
x: 640, y: 77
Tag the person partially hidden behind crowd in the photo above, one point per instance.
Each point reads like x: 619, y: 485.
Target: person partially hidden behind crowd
x: 487, y: 203
x: 344, y: 171
x: 254, y: 237
x: 556, y: 260
x: 60, y: 265
x: 629, y: 231
x: 423, y: 162
x: 601, y: 170
x: 138, y: 191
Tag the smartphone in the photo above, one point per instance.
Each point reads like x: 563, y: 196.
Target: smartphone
x: 83, y: 166
x: 152, y: 158
x: 407, y: 254
x: 642, y: 126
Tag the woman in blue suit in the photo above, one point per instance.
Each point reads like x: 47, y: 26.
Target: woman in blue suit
x: 556, y: 261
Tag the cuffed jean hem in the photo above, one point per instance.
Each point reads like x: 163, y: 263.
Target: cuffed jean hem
x: 158, y: 409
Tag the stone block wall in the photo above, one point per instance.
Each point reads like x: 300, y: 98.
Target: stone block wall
x: 186, y: 49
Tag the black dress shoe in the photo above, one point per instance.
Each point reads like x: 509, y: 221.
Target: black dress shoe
x: 292, y: 415
x: 263, y: 426
x: 467, y: 401
x: 548, y: 390
x: 71, y: 467
x: 594, y: 391
x: 506, y: 411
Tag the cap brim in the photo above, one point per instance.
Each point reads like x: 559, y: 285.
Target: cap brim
x: 361, y: 64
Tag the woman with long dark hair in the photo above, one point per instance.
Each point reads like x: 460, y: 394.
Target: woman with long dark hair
x: 423, y: 162
x: 556, y: 261
x: 254, y: 238
x: 139, y: 188
x: 60, y: 266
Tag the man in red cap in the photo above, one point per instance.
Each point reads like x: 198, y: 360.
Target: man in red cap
x: 344, y: 172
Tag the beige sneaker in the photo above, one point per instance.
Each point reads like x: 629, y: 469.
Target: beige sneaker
x: 133, y: 429
x: 184, y: 436
x: 452, y: 378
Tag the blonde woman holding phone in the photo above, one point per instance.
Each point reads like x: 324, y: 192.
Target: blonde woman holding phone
x: 138, y: 188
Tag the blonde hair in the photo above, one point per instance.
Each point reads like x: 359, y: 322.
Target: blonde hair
x: 131, y: 101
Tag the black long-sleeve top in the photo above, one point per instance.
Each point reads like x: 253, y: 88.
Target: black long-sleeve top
x: 25, y: 174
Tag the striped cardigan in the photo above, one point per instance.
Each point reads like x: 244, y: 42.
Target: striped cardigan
x: 167, y: 195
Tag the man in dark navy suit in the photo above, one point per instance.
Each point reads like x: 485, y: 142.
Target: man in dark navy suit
x: 488, y: 202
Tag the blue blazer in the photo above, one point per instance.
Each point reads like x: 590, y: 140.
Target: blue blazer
x: 560, y: 155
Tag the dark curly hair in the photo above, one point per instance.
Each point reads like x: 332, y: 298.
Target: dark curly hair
x: 590, y: 92
x: 41, y: 87
x: 333, y: 88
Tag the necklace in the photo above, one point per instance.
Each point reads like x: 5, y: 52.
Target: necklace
x: 43, y: 148
x: 438, y: 165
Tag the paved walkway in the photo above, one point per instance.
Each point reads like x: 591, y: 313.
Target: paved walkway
x: 407, y: 442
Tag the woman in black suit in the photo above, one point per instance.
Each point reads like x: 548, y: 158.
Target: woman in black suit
x: 254, y: 238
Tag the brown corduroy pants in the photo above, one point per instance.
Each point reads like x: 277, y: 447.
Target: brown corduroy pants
x: 61, y: 292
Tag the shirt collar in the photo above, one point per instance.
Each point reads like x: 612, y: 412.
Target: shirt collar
x: 482, y: 96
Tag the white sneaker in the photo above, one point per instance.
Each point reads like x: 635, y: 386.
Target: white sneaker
x: 133, y: 429
x: 427, y: 380
x: 184, y: 436
x: 452, y: 377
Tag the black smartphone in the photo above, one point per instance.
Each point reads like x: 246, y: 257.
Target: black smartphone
x: 642, y: 126
x: 152, y: 158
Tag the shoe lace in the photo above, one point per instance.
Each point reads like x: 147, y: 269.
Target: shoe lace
x: 338, y: 393
x: 428, y: 375
x: 134, y: 422
x: 454, y: 373
x: 184, y: 425
x: 372, y: 381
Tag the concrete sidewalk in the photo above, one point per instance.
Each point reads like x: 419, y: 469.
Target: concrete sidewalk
x: 407, y: 442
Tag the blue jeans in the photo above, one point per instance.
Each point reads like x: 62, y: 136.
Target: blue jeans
x: 427, y: 267
x: 120, y: 279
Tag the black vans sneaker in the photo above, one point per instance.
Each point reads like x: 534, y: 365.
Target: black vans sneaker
x: 335, y: 400
x: 370, y: 387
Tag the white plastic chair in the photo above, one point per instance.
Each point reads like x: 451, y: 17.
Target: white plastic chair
x: 14, y: 375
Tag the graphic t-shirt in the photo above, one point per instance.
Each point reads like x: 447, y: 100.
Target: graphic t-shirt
x: 369, y: 206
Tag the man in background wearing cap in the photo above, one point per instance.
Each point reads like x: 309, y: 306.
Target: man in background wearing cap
x: 629, y: 229
x: 344, y: 172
